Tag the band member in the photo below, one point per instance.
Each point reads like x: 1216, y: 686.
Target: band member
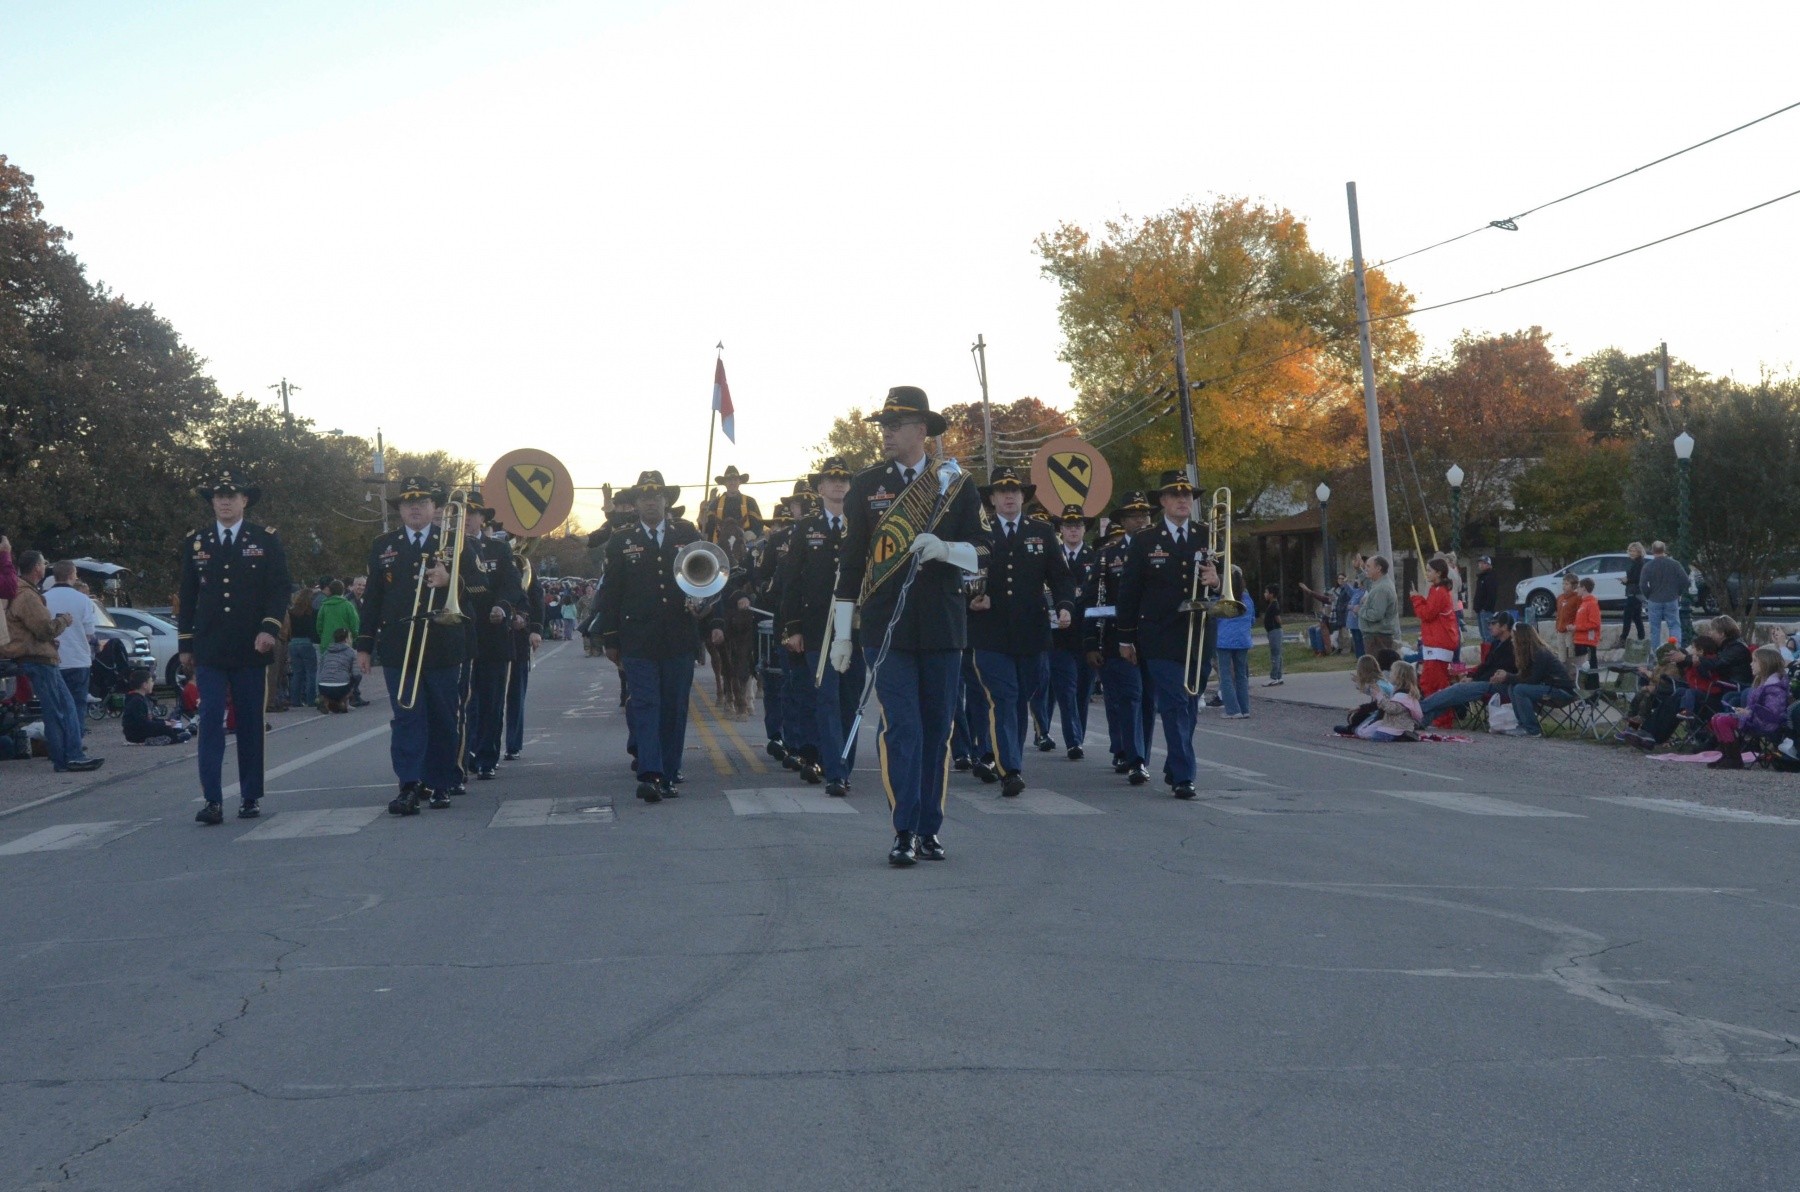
x: 421, y: 655
x: 526, y: 635
x: 808, y: 575
x: 1071, y: 678
x: 490, y: 612
x: 765, y: 565
x: 788, y: 714
x: 1123, y: 681
x: 649, y: 627
x: 1155, y: 617
x: 622, y: 512
x: 730, y: 505
x: 234, y: 591
x: 920, y: 541
x: 1040, y: 701
x: 1009, y: 625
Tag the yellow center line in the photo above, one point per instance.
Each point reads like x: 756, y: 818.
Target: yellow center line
x: 730, y: 730
x: 720, y: 762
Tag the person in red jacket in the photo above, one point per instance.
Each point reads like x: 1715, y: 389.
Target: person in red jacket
x: 1435, y: 607
x: 1587, y: 626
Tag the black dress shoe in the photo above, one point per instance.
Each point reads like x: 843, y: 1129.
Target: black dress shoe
x: 987, y: 771
x: 1185, y: 790
x: 510, y: 757
x: 790, y: 761
x: 929, y: 848
x: 406, y: 802
x: 1138, y: 776
x: 1075, y: 753
x: 441, y: 799
x: 1012, y: 784
x: 837, y: 788
x: 649, y: 790
x: 458, y: 789
x: 669, y: 790
x: 248, y: 809
x: 486, y: 775
x: 212, y: 813
x: 962, y: 765
x: 677, y: 780
x: 812, y: 772
x: 1046, y: 745
x: 775, y: 749
x: 902, y: 852
x: 634, y: 765
x: 1120, y: 765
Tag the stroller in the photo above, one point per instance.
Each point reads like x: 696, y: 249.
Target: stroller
x: 106, y: 680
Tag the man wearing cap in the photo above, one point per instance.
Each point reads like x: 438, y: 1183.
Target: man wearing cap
x: 1126, y: 724
x: 1071, y: 678
x: 1154, y: 617
x: 234, y: 592
x: 730, y: 505
x: 421, y: 656
x: 1487, y: 596
x: 913, y: 642
x: 492, y: 603
x: 808, y: 575
x: 649, y: 627
x: 1010, y: 622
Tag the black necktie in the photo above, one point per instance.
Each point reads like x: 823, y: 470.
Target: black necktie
x: 226, y: 541
x: 908, y: 474
x: 1180, y: 537
x: 418, y: 540
x: 834, y: 524
x: 1009, y: 531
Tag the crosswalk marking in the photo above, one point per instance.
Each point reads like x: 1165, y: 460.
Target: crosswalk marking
x: 1695, y: 810
x: 771, y: 801
x: 1470, y: 804
x: 63, y: 836
x: 336, y: 821
x: 544, y: 813
x: 1029, y: 803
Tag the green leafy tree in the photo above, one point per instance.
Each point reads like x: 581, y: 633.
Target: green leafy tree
x: 1572, y: 502
x: 853, y: 437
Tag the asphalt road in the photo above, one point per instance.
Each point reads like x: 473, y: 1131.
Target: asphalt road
x: 1347, y: 966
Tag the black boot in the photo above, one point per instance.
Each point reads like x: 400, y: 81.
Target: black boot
x: 407, y: 801
x: 212, y: 813
x: 902, y: 853
x: 929, y: 848
x: 441, y: 799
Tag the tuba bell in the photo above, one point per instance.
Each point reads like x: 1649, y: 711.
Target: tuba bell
x: 701, y: 571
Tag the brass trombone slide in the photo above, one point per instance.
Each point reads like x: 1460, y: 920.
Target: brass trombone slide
x: 1226, y: 605
x: 412, y: 661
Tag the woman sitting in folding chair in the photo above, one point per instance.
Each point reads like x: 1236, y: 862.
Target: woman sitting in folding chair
x: 1542, y: 680
x: 1762, y: 715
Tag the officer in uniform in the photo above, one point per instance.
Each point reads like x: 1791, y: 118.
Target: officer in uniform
x: 1124, y: 683
x: 1009, y: 623
x: 1041, y: 695
x: 525, y: 635
x: 808, y: 576
x: 915, y: 646
x: 492, y: 605
x: 426, y: 739
x: 234, y: 591
x: 730, y: 505
x: 1154, y: 617
x: 788, y: 689
x: 1071, y: 678
x: 648, y: 626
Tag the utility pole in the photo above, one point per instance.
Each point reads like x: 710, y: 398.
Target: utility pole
x: 1187, y: 404
x: 1384, y: 537
x: 287, y: 412
x: 987, y: 413
x: 378, y: 475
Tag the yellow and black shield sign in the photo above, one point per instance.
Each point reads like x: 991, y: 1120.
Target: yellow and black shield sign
x: 531, y: 492
x: 1071, y: 472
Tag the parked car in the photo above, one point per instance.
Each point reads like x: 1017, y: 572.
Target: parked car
x: 165, y: 641
x: 1779, y: 595
x: 1608, y: 573
x: 137, y: 646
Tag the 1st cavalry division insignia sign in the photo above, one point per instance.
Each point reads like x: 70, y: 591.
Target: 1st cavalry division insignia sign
x: 531, y: 492
x: 1071, y: 472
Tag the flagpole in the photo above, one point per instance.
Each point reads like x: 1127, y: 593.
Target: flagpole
x: 712, y: 428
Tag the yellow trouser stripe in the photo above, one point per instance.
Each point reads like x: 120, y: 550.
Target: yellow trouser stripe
x: 993, y: 719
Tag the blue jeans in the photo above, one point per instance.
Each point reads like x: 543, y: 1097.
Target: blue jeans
x: 1454, y: 696
x: 1525, y: 699
x: 1072, y: 682
x: 834, y: 701
x: 658, y: 711
x: 1178, y: 711
x: 917, y: 689
x: 1482, y: 621
x: 76, y: 679
x: 1665, y: 621
x: 1008, y: 681
x: 1275, y: 644
x: 424, y: 740
x: 1234, y: 681
x: 303, y: 672
x: 244, y: 686
x: 62, y: 729
x: 1356, y: 642
x: 1124, y: 708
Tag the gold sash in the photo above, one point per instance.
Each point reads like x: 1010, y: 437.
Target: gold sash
x: 910, y: 515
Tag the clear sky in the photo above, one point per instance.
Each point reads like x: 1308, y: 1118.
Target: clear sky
x: 481, y: 226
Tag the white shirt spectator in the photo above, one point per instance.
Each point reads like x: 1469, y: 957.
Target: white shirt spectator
x: 74, y: 645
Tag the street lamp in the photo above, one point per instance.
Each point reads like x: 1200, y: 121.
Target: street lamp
x: 1323, y: 492
x: 1684, y: 454
x: 1455, y: 477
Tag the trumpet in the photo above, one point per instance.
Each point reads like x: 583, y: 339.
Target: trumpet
x: 1226, y: 605
x: 412, y: 661
x: 701, y: 572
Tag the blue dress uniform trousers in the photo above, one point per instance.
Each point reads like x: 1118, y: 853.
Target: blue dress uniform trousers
x: 1008, y: 681
x: 487, y: 697
x: 917, y: 689
x: 244, y: 685
x: 1072, y: 682
x: 774, y: 681
x: 658, y: 711
x: 971, y: 714
x: 1147, y: 706
x: 1179, y: 712
x: 1041, y: 697
x: 798, y: 728
x: 516, y: 684
x: 1124, y: 709
x: 424, y: 740
x: 835, y: 699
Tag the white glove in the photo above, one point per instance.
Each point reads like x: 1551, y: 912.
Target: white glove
x: 843, y: 648
x: 930, y: 548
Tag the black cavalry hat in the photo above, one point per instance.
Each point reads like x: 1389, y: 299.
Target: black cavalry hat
x: 1071, y: 515
x: 650, y: 480
x: 834, y: 468
x: 910, y: 400
x: 472, y: 499
x: 1007, y: 478
x: 1174, y: 483
x: 731, y: 474
x: 418, y: 488
x: 1135, y: 501
x: 227, y: 481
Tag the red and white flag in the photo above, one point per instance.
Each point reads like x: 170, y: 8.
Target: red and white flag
x: 722, y: 401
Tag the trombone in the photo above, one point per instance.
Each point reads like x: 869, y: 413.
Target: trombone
x: 1226, y: 605
x: 412, y: 661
